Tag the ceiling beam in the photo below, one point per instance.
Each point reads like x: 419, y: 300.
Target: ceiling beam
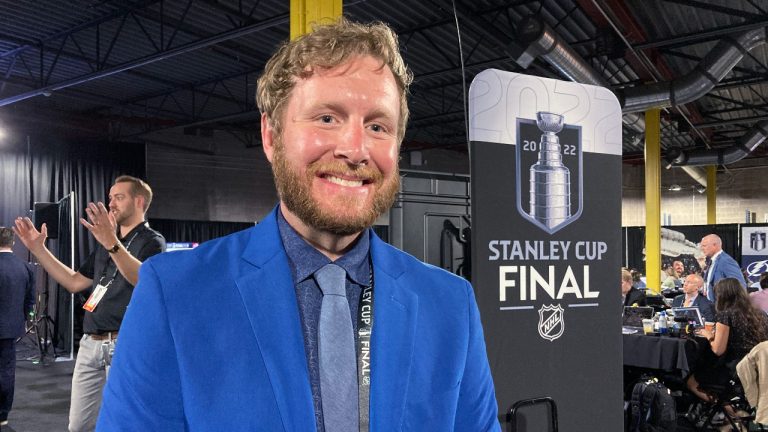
x: 717, y: 8
x: 163, y: 55
x: 701, y: 36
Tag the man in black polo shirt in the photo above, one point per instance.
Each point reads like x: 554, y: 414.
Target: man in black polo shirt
x: 110, y: 273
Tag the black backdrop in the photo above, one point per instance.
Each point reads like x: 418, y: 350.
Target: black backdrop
x: 42, y: 168
x: 195, y: 231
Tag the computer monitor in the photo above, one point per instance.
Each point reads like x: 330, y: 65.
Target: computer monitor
x: 692, y: 313
x: 177, y: 246
x: 48, y: 214
x: 634, y: 315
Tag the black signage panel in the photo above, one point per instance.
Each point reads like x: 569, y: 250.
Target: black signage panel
x: 546, y: 245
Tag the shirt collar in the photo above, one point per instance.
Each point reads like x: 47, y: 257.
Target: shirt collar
x: 305, y: 260
x: 135, y: 229
x: 714, y: 257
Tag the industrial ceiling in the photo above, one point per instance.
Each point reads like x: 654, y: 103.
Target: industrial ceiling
x: 120, y: 70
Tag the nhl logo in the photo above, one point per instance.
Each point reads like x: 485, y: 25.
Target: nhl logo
x: 551, y: 324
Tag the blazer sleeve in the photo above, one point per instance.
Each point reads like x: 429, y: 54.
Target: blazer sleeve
x: 730, y: 269
x: 477, y: 409
x: 144, y: 387
x: 636, y: 296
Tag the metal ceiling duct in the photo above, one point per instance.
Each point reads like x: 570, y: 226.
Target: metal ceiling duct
x: 540, y: 40
x: 724, y: 156
x: 711, y: 70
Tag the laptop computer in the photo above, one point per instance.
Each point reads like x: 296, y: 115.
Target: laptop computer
x: 692, y: 313
x: 633, y: 316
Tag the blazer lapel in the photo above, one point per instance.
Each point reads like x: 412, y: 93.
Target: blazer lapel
x: 394, y: 328
x: 267, y: 290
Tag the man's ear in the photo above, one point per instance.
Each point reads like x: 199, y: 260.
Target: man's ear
x: 267, y: 137
x: 141, y: 201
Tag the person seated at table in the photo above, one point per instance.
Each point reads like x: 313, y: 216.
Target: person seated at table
x: 739, y: 326
x: 629, y: 294
x: 691, y: 297
x: 760, y: 298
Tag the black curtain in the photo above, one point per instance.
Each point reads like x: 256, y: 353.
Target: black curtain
x: 634, y: 242
x: 195, y: 231
x: 44, y: 168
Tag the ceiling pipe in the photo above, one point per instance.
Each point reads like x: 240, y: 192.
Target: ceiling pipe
x: 722, y: 156
x: 696, y: 173
x: 537, y: 39
x: 718, y: 62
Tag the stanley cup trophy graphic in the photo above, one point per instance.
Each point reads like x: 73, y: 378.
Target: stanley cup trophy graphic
x: 550, y: 193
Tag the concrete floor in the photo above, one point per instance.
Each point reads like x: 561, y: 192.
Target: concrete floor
x: 41, y: 400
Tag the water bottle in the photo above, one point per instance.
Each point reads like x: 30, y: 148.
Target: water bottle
x: 663, y: 322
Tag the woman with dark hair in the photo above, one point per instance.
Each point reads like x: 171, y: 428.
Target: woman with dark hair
x: 760, y: 297
x: 739, y: 326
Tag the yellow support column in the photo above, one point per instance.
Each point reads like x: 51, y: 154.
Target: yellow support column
x: 652, y: 201
x: 306, y: 12
x: 711, y: 195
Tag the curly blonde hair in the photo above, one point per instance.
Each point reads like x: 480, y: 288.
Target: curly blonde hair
x: 328, y: 46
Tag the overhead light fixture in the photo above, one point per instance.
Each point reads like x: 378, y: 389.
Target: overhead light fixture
x: 675, y: 187
x: 701, y: 189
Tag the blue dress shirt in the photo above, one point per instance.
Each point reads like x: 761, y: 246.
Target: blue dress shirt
x: 304, y: 261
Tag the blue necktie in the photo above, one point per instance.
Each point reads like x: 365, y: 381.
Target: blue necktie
x: 336, y: 344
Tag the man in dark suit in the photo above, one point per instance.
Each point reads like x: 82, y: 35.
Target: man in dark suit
x: 629, y: 294
x: 691, y: 298
x: 17, y: 296
x: 723, y: 266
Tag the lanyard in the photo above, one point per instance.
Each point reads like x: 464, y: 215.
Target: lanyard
x: 364, y: 327
x: 128, y: 245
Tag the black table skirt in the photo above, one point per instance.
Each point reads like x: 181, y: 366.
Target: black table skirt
x: 663, y: 353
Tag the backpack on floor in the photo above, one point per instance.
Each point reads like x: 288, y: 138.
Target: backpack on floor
x: 652, y: 408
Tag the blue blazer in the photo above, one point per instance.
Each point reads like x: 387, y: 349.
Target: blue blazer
x: 212, y: 341
x: 723, y: 267
x: 706, y: 308
x: 17, y: 294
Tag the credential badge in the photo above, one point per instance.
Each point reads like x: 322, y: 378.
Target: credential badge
x: 551, y: 324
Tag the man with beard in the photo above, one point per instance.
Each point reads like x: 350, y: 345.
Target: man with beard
x: 308, y: 321
x: 110, y: 273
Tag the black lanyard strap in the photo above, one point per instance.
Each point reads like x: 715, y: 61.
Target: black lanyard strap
x: 364, y: 327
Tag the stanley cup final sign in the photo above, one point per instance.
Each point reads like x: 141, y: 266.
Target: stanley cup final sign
x: 546, y: 245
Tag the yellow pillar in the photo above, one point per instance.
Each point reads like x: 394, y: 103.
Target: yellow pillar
x: 711, y: 195
x: 306, y: 12
x: 653, y: 200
